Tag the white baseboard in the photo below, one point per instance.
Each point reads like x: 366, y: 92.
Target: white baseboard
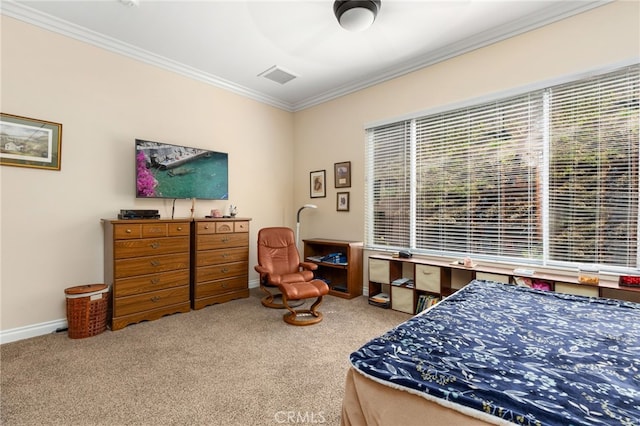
x: 21, y: 333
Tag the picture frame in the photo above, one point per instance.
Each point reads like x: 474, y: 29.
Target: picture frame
x: 29, y: 142
x: 317, y: 184
x: 342, y: 201
x: 342, y: 174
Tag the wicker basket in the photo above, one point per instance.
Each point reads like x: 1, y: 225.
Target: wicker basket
x: 87, y: 307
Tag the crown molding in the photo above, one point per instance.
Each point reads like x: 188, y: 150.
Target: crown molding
x: 26, y: 14
x: 560, y: 11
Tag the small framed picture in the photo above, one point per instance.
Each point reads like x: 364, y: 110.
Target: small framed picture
x: 342, y: 202
x: 342, y: 173
x: 317, y: 184
x: 27, y: 142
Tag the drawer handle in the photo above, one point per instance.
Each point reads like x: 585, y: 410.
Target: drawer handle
x: 155, y: 263
x: 225, y: 240
x: 225, y: 255
x: 155, y: 245
x: 154, y: 299
x: 206, y: 227
x: 224, y: 285
x: 224, y: 270
x: 128, y: 231
x: 179, y: 228
x: 155, y: 280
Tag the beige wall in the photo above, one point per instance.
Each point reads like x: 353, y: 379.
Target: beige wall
x: 334, y: 131
x: 50, y: 230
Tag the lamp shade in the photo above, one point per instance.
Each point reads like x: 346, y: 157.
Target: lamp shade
x: 356, y: 15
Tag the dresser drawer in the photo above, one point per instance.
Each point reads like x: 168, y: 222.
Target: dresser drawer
x: 428, y: 278
x: 178, y: 229
x: 150, y: 247
x: 242, y: 226
x: 125, y: 231
x: 216, y: 257
x: 143, y: 302
x: 203, y: 228
x: 224, y: 227
x: 146, y: 283
x: 218, y: 241
x: 150, y: 265
x: 217, y: 272
x: 154, y: 230
x: 214, y: 288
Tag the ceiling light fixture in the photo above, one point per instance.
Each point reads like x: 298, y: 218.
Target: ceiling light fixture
x: 356, y: 15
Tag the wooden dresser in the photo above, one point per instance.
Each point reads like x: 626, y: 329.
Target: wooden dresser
x: 220, y: 261
x: 147, y: 264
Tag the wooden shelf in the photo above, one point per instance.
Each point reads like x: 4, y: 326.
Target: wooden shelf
x: 442, y: 278
x: 344, y: 280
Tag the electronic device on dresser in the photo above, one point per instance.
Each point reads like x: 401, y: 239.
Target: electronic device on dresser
x: 139, y: 214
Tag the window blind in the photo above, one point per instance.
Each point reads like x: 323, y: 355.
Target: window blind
x: 478, y: 179
x: 545, y: 177
x: 389, y: 190
x: 593, y: 170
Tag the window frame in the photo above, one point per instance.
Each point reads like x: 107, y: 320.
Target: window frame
x: 410, y: 121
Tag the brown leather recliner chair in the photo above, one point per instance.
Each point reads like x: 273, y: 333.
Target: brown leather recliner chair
x: 279, y: 263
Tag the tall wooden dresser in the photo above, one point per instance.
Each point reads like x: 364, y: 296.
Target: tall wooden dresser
x: 220, y: 260
x: 147, y: 264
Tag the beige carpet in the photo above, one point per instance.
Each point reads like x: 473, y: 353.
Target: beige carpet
x: 232, y: 364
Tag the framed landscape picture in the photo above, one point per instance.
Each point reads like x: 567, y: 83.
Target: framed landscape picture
x: 317, y: 184
x: 27, y: 142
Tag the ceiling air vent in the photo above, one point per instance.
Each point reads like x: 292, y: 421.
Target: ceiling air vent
x: 277, y: 74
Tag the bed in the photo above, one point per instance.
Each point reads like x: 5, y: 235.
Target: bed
x: 493, y: 353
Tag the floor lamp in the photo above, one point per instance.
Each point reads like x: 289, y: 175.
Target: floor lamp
x: 306, y: 206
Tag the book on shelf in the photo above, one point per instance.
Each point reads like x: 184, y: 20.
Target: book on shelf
x: 407, y: 282
x: 340, y: 260
x: 426, y: 301
x: 380, y: 299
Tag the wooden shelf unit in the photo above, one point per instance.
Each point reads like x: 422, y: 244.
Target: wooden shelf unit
x: 442, y: 278
x: 344, y: 280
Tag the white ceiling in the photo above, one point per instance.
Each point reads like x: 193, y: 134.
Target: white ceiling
x: 230, y: 43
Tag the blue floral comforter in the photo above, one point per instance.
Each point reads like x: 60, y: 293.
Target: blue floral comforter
x: 526, y: 356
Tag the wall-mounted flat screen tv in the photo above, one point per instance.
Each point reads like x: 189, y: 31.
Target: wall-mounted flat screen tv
x: 173, y: 171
